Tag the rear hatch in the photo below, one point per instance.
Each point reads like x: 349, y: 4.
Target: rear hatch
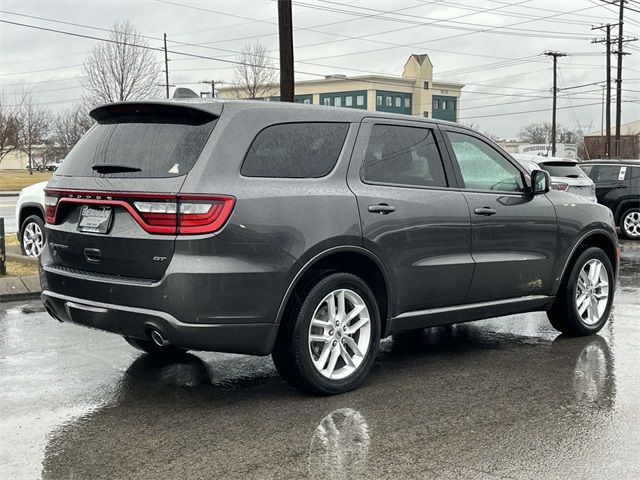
x: 567, y: 176
x: 114, y: 207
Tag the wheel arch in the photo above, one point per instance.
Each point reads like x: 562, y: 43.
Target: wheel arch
x: 28, y: 209
x: 623, y: 206
x: 595, y: 238
x: 351, y: 259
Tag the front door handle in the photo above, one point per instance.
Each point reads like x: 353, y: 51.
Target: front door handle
x: 486, y: 211
x: 382, y: 209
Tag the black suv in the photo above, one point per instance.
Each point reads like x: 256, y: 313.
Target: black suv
x: 618, y: 187
x: 309, y: 233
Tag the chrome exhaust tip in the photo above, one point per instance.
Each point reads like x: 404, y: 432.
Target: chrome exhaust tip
x: 159, y: 339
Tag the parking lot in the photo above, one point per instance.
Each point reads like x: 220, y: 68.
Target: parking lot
x: 505, y: 398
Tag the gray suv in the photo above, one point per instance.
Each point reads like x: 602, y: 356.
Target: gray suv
x: 308, y: 233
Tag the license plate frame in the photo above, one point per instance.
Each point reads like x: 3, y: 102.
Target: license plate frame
x: 95, y: 219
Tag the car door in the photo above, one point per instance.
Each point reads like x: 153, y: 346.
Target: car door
x: 514, y: 233
x: 411, y: 219
x: 612, y: 183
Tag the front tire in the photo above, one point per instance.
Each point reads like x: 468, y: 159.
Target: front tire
x: 328, y: 342
x: 584, y: 300
x: 148, y: 346
x: 32, y: 236
x: 630, y: 223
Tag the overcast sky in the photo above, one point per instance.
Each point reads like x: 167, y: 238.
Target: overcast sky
x: 502, y: 67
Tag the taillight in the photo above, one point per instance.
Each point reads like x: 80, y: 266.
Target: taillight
x: 159, y: 215
x: 563, y: 187
x: 199, y: 214
x: 155, y: 213
x: 50, y: 204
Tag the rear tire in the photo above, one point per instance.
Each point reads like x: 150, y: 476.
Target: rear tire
x: 149, y: 346
x: 630, y: 224
x: 32, y: 236
x: 328, y: 341
x: 584, y: 300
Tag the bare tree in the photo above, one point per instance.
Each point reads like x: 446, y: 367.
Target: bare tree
x: 536, y: 133
x: 255, y: 75
x: 9, y: 122
x: 69, y: 126
x: 120, y: 70
x: 34, y: 126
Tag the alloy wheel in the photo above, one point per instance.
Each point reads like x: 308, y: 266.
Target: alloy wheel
x: 339, y: 334
x: 32, y: 239
x: 592, y: 292
x: 631, y: 224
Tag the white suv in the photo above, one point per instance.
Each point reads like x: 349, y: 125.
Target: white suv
x: 30, y: 219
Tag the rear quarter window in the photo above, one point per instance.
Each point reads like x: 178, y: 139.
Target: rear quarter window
x: 295, y: 150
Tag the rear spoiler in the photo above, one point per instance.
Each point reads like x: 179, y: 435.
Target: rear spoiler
x: 200, y: 112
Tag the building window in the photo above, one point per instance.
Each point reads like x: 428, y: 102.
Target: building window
x: 326, y: 101
x: 379, y: 100
x: 398, y: 102
x: 444, y: 104
x: 360, y: 100
x: 306, y: 101
x: 348, y: 101
x: 436, y: 104
x: 389, y: 101
x: 425, y: 114
x: 337, y: 101
x: 426, y: 85
x: 407, y: 102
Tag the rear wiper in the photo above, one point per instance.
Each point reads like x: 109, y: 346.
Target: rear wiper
x: 113, y: 168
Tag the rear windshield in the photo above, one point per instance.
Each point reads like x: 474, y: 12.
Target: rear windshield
x: 570, y: 170
x: 146, y: 142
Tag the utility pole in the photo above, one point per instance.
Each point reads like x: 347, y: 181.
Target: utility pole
x: 285, y: 28
x: 213, y: 86
x: 555, y: 56
x: 166, y: 65
x: 607, y: 40
x: 619, y: 79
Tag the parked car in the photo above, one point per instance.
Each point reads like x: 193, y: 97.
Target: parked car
x: 309, y: 233
x: 30, y: 219
x: 618, y: 187
x: 53, y: 165
x: 566, y: 175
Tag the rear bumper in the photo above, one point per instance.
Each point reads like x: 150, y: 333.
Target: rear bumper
x: 248, y: 338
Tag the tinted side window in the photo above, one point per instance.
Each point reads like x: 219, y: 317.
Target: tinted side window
x: 607, y: 173
x: 483, y: 168
x: 635, y: 172
x: 295, y: 150
x: 403, y: 156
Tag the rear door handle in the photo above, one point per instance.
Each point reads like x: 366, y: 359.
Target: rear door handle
x: 382, y: 209
x: 486, y: 211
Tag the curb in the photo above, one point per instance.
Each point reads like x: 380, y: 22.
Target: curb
x: 19, y: 288
x: 9, y: 194
x: 16, y: 257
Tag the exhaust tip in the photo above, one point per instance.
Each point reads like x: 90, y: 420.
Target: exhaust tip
x: 159, y: 339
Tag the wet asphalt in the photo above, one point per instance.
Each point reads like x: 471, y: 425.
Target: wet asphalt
x: 500, y: 398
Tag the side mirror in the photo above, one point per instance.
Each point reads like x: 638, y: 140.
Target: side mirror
x: 540, y: 181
